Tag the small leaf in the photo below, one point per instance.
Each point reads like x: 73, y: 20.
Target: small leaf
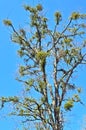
x: 26, y: 7
x: 14, y: 99
x: 7, y: 22
x: 68, y: 105
x: 20, y: 53
x: 39, y: 7
x: 76, y: 98
x: 79, y: 90
x: 58, y: 17
x: 75, y: 16
x: 68, y: 40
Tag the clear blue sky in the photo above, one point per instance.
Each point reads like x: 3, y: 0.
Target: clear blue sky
x: 9, y: 61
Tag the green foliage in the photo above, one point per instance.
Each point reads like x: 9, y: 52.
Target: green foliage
x: 39, y: 7
x: 20, y: 53
x: 68, y: 40
x: 29, y: 84
x: 41, y: 87
x: 41, y: 57
x: 33, y: 10
x: 21, y: 113
x: 22, y: 32
x: 17, y: 38
x: 76, y: 98
x: 68, y: 105
x: 7, y: 22
x: 4, y: 99
x: 58, y: 17
x: 21, y: 70
x: 50, y: 59
x: 29, y: 8
x: 14, y: 99
x: 75, y: 16
x: 79, y: 90
x: 26, y: 7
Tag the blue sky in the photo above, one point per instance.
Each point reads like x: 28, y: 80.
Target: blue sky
x: 10, y: 61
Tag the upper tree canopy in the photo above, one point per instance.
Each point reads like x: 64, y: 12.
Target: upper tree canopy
x: 50, y: 56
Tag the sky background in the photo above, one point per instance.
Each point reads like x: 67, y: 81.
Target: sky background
x: 9, y: 61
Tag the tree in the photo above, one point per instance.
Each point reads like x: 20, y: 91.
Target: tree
x: 50, y: 59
